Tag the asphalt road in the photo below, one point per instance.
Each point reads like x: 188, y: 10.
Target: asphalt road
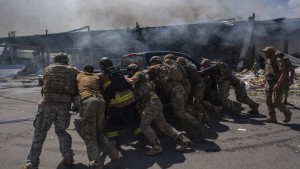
x: 241, y: 143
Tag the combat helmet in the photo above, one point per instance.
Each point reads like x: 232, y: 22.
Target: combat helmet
x: 133, y: 67
x: 182, y: 60
x: 105, y: 63
x: 156, y: 59
x: 170, y: 56
x: 61, y: 58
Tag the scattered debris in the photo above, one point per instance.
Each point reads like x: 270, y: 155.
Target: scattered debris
x: 255, y: 85
x: 240, y: 129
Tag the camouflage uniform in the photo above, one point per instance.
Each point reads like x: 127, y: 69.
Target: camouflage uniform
x: 92, y: 119
x: 273, y: 69
x: 288, y: 79
x: 198, y: 88
x: 211, y: 100
x: 177, y: 94
x: 224, y: 87
x: 184, y: 80
x: 153, y: 110
x: 241, y: 94
x: 54, y: 108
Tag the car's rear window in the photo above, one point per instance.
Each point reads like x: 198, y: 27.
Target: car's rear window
x: 139, y: 59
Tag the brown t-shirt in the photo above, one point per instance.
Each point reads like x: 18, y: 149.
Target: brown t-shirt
x: 88, y: 84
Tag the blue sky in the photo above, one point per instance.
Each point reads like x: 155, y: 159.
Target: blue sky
x: 29, y: 17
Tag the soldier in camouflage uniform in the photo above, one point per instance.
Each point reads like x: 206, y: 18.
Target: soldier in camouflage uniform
x: 198, y: 88
x: 92, y: 118
x: 289, y: 78
x: 185, y: 82
x: 211, y: 100
x: 177, y: 94
x: 224, y: 87
x: 274, y: 76
x: 145, y: 95
x: 58, y: 90
x: 241, y: 94
x: 255, y: 68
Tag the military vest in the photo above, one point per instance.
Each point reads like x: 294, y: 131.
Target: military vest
x: 59, y: 79
x: 272, y: 72
x: 117, y: 79
x: 174, y: 70
x: 59, y: 83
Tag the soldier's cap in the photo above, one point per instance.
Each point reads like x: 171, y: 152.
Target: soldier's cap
x: 268, y: 49
x: 205, y: 61
x: 279, y: 54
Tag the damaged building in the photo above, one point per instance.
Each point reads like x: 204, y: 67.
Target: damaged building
x: 235, y: 42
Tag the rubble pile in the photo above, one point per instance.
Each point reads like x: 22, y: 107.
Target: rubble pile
x: 255, y: 85
x: 2, y: 80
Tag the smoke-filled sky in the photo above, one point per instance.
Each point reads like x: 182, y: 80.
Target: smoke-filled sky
x: 29, y: 17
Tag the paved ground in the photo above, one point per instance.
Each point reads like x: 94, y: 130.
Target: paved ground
x: 242, y: 143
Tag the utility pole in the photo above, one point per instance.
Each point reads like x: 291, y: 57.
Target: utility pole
x: 47, y: 50
x: 12, y: 50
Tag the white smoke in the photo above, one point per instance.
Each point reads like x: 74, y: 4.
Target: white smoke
x: 29, y: 17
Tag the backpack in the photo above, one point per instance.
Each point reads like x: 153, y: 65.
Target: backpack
x: 118, y: 83
x: 174, y: 70
x: 59, y: 79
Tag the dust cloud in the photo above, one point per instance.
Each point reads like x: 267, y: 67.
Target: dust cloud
x: 29, y: 17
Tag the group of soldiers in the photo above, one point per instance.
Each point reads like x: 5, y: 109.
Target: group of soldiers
x: 108, y: 99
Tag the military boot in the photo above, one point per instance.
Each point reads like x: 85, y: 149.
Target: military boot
x: 287, y: 117
x: 185, y: 142
x: 254, y: 109
x: 68, y: 161
x: 112, y: 152
x: 29, y: 166
x: 270, y: 120
x: 238, y: 105
x: 155, y: 150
